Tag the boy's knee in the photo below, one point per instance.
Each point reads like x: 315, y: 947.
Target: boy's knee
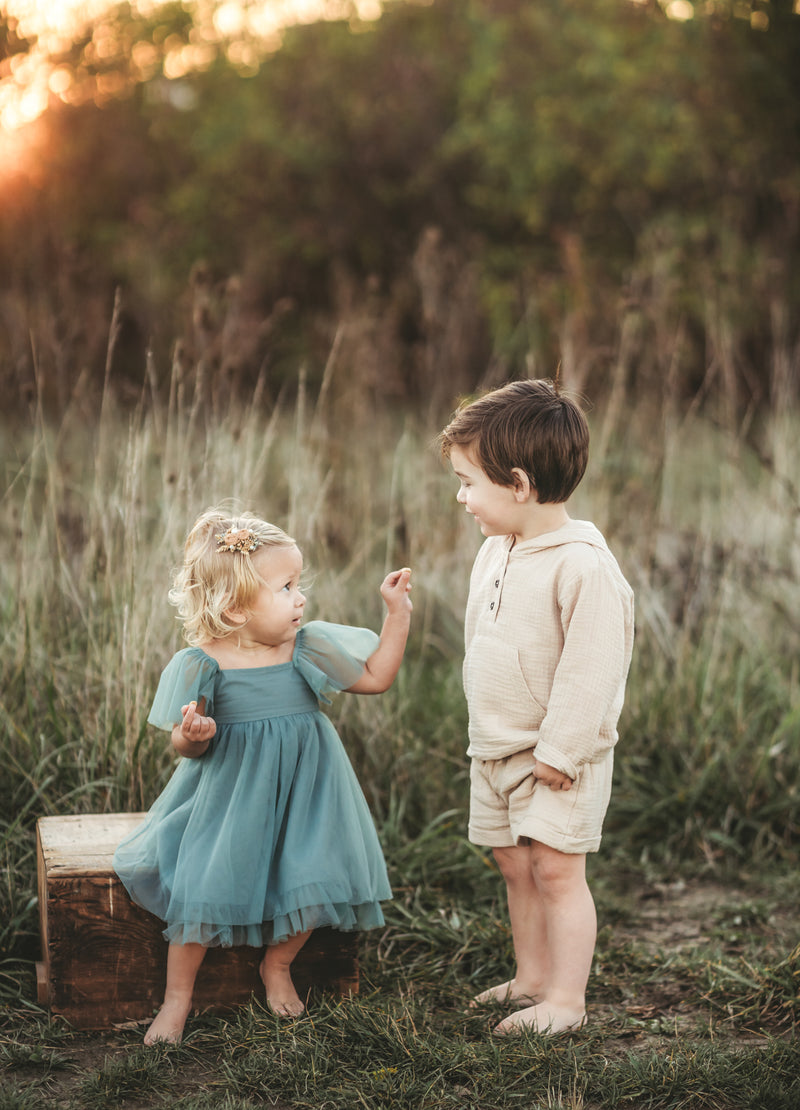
x: 514, y: 863
x: 552, y: 868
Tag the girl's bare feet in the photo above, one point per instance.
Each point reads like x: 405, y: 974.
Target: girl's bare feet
x: 544, y: 1018
x: 168, y: 1023
x: 282, y: 998
x: 504, y: 993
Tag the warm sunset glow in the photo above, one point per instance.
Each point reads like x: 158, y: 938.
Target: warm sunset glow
x: 20, y: 161
x: 244, y: 28
x: 14, y: 150
x: 680, y: 10
x: 53, y: 20
x: 28, y: 80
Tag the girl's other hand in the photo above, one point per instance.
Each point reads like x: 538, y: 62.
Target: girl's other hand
x: 395, y: 589
x: 195, y: 727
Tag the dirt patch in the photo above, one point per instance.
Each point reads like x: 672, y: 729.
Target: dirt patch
x: 674, y: 915
x: 661, y: 967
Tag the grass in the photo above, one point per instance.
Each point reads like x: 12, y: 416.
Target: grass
x: 694, y: 993
x: 412, y: 1045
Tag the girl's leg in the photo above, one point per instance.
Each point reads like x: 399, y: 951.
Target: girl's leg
x: 528, y: 929
x: 275, y: 972
x: 571, y: 930
x: 183, y: 963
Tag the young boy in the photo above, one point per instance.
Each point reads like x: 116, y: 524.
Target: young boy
x: 549, y: 633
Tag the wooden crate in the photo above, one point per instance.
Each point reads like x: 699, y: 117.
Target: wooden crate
x: 104, y: 959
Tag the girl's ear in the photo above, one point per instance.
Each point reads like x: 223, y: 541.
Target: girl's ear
x: 235, y: 616
x: 523, y: 486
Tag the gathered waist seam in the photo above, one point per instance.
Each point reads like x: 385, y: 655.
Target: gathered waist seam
x: 220, y: 720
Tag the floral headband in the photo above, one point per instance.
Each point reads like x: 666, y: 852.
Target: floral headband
x: 242, y: 540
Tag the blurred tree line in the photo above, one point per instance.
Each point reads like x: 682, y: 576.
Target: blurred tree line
x: 455, y: 193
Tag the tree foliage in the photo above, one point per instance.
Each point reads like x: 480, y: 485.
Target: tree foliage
x: 478, y: 187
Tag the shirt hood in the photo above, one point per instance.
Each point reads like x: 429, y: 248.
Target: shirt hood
x: 574, y: 531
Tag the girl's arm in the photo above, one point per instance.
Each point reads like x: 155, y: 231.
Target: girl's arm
x: 384, y: 663
x: 191, y: 737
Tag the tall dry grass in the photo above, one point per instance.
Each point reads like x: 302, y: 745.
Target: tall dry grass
x: 92, y: 520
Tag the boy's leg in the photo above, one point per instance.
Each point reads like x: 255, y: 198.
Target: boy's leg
x: 275, y: 972
x: 183, y: 963
x: 571, y: 929
x: 528, y: 929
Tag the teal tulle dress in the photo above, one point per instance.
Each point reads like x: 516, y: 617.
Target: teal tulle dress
x: 268, y: 834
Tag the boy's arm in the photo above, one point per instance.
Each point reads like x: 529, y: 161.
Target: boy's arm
x: 590, y: 677
x: 549, y: 776
x: 384, y: 663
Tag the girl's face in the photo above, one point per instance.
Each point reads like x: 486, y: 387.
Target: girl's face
x: 495, y: 508
x: 275, y: 613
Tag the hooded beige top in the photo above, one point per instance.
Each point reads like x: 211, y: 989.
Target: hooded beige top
x: 549, y: 634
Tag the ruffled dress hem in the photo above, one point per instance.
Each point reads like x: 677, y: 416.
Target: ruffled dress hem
x: 342, y: 916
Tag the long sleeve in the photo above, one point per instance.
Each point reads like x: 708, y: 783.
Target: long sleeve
x: 589, y: 680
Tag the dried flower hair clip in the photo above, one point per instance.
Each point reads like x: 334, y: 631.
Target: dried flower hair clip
x: 238, y: 539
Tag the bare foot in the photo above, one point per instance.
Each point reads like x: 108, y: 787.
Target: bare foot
x: 169, y: 1021
x: 504, y: 993
x: 544, y: 1018
x: 282, y: 998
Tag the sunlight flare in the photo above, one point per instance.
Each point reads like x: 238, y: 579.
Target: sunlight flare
x: 29, y: 79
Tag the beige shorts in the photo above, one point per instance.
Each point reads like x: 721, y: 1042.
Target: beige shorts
x: 507, y: 803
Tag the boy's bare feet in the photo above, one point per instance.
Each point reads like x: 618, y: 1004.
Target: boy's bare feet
x: 168, y: 1023
x: 504, y: 993
x: 282, y: 998
x: 544, y: 1018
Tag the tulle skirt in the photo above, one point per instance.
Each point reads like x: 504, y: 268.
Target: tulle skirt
x: 265, y: 836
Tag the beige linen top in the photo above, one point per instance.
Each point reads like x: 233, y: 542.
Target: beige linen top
x: 549, y: 635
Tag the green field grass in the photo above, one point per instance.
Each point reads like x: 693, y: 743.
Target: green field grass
x: 694, y: 993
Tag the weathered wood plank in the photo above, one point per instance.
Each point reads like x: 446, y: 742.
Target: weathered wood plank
x: 104, y: 958
x: 83, y: 844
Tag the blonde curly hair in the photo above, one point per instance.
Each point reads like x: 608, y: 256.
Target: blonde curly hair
x: 214, y: 579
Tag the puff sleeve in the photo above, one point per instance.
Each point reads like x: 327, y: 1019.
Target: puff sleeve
x: 189, y: 676
x: 331, y: 657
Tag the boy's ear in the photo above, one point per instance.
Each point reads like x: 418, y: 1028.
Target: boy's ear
x: 523, y: 486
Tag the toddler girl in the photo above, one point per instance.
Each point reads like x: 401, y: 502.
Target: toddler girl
x: 262, y: 834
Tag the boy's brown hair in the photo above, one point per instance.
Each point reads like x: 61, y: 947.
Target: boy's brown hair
x: 529, y: 425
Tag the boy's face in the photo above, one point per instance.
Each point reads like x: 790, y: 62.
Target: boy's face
x: 496, y: 508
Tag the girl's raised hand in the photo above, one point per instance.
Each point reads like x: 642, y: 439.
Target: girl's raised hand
x: 394, y: 590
